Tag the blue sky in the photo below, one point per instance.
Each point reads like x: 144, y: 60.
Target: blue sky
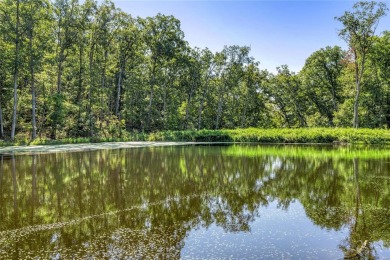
x: 278, y: 32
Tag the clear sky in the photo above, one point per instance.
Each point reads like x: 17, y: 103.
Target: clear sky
x: 278, y: 32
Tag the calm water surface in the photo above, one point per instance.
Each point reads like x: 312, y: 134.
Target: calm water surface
x: 197, y: 202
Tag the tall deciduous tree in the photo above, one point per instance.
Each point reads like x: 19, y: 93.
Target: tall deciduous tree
x: 128, y: 38
x: 289, y: 101
x: 230, y: 66
x: 3, y: 77
x: 16, y: 69
x: 84, y: 24
x: 381, y: 59
x: 359, y: 29
x: 106, y: 27
x: 37, y: 23
x: 163, y: 39
x: 377, y: 92
x: 66, y: 31
x: 251, y: 106
x: 10, y: 31
x: 321, y: 80
x: 207, y: 66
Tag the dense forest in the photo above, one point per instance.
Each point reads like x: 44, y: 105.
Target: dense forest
x: 83, y: 69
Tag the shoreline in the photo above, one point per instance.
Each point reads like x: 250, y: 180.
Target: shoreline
x: 318, y: 136
x: 82, y: 147
x: 9, y: 151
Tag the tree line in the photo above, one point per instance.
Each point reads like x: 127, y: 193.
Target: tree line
x: 83, y: 69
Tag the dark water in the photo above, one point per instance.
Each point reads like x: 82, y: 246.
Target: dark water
x: 197, y: 202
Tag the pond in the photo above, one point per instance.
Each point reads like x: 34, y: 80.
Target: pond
x: 197, y: 202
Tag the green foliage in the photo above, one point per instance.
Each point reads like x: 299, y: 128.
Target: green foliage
x: 191, y: 136
x: 298, y: 135
x: 252, y: 135
x: 101, y: 74
x: 321, y: 81
x: 358, y: 32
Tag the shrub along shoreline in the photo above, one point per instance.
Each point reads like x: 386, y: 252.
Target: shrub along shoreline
x: 297, y: 135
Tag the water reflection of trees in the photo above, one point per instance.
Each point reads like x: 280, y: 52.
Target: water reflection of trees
x: 144, y: 201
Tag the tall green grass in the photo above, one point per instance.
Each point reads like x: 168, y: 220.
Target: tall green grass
x: 299, y: 135
x: 192, y: 136
x: 82, y: 140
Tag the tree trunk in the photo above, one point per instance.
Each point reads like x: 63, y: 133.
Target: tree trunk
x: 387, y: 109
x: 33, y: 98
x: 187, y: 110
x: 151, y: 98
x: 283, y: 111
x: 202, y: 101
x: 164, y: 105
x: 356, y: 106
x: 189, y: 103
x: 118, y: 97
x: 219, y: 110
x: 168, y: 82
x: 333, y: 85
x: 358, y: 78
x: 91, y: 126
x: 201, y: 108
x: 33, y: 112
x: 102, y: 109
x: 57, y: 103
x: 60, y: 69
x: 43, y: 112
x: 80, y: 88
x: 301, y: 117
x: 150, y: 108
x: 80, y: 81
x: 243, y: 117
x: 103, y: 84
x: 334, y: 101
x: 1, y: 122
x: 16, y: 71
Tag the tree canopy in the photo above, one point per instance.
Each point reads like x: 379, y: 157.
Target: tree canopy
x: 72, y: 68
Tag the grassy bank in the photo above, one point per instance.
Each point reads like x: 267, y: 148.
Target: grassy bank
x: 301, y: 135
x: 78, y: 140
